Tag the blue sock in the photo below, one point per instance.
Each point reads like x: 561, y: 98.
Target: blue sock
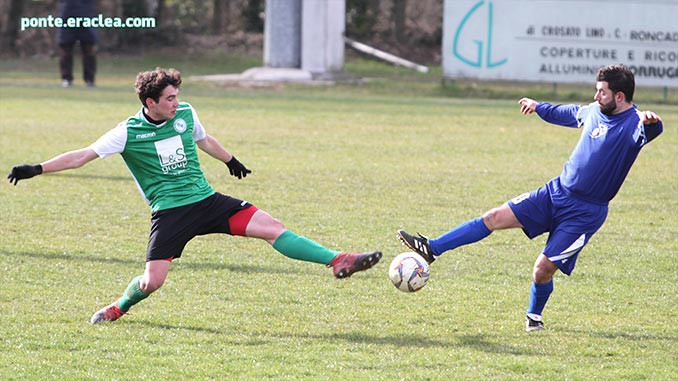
x: 468, y: 232
x: 539, y: 294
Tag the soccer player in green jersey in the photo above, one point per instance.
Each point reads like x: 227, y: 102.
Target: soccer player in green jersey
x: 158, y: 145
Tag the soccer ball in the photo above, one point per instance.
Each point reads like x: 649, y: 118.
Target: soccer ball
x: 409, y: 272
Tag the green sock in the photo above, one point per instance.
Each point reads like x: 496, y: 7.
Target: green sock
x: 294, y: 246
x: 132, y: 295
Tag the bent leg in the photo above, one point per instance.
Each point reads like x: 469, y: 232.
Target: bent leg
x: 143, y: 285
x: 543, y: 270
x: 542, y: 286
x: 154, y: 275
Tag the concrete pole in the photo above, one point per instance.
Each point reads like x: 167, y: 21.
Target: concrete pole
x: 322, y: 39
x: 282, y: 34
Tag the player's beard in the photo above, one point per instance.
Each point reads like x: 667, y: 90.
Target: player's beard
x: 608, y: 108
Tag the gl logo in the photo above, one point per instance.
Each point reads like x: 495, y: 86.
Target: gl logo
x: 478, y: 60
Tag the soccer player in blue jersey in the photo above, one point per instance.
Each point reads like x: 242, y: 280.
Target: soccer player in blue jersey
x: 572, y: 206
x: 160, y: 147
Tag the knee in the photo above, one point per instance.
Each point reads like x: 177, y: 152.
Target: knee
x: 543, y: 270
x: 263, y: 225
x: 267, y: 221
x: 277, y: 224
x: 150, y: 284
x: 501, y: 217
x: 540, y: 276
x: 273, y: 230
x: 492, y: 218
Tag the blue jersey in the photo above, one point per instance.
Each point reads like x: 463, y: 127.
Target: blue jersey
x: 608, y: 146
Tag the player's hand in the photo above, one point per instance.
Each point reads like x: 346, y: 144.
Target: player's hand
x: 24, y: 172
x: 237, y: 168
x: 528, y: 106
x: 648, y: 117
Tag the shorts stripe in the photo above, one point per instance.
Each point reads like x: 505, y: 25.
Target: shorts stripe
x: 239, y: 221
x: 572, y: 250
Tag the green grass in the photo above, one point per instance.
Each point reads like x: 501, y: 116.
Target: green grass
x: 346, y: 166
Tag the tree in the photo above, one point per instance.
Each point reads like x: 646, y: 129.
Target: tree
x: 10, y: 31
x: 399, y: 14
x: 251, y: 14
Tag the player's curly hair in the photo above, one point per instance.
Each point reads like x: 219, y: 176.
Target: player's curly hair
x: 618, y: 78
x: 150, y: 84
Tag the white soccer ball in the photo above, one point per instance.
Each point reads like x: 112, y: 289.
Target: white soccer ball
x: 409, y: 272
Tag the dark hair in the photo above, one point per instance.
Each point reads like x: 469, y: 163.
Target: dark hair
x: 150, y: 84
x: 618, y: 78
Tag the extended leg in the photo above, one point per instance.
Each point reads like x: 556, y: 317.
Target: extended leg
x: 464, y: 234
x: 262, y: 225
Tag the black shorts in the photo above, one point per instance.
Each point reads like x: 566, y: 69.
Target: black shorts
x: 171, y: 229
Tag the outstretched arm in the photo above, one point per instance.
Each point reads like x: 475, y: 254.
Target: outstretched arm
x: 213, y: 148
x: 562, y: 115
x: 68, y: 160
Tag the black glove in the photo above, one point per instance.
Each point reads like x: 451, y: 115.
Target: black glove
x: 237, y: 168
x: 24, y: 172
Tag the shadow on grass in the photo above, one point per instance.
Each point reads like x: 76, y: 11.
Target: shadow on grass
x: 480, y: 343
x: 167, y: 326
x: 627, y: 336
x: 185, y: 263
x: 476, y: 342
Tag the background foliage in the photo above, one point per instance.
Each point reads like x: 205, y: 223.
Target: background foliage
x: 412, y: 29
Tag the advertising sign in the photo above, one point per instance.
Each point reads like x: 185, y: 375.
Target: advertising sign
x: 560, y: 40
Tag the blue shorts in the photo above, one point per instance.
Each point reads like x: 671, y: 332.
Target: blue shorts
x: 570, y: 222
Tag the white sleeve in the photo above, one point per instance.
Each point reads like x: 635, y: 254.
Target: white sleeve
x: 198, y: 129
x: 111, y: 142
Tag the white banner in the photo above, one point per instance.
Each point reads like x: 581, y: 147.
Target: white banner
x: 560, y: 40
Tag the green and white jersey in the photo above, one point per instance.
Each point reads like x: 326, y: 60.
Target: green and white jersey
x: 162, y: 158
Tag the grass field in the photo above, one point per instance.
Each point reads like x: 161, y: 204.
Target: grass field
x: 346, y: 166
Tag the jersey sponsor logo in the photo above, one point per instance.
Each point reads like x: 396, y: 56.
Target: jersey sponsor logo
x: 145, y: 136
x: 171, y: 154
x: 599, y: 131
x: 180, y: 125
